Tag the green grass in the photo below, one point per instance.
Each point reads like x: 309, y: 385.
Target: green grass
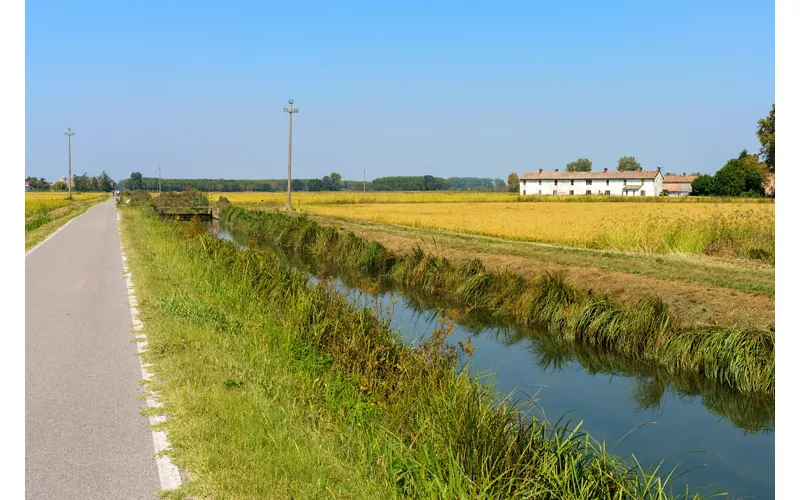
x: 276, y: 388
x: 641, y: 331
x: 47, y: 222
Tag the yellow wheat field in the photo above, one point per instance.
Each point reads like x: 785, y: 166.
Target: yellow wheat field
x: 301, y: 199
x: 34, y: 200
x: 724, y: 228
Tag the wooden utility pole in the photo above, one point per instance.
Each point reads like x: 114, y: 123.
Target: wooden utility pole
x: 291, y: 111
x: 365, y: 180
x: 159, y: 179
x: 69, y: 133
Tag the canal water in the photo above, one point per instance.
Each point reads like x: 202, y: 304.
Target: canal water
x: 724, y: 441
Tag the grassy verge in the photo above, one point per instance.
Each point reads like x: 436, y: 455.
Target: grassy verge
x: 741, y: 359
x: 46, y: 222
x: 279, y: 389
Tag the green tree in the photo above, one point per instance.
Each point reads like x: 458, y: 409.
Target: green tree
x: 705, y: 185
x: 740, y: 177
x: 104, y: 182
x: 58, y: 186
x: 513, y: 183
x: 83, y: 183
x: 336, y: 181
x: 580, y: 165
x: 136, y: 181
x: 628, y: 164
x: 766, y: 136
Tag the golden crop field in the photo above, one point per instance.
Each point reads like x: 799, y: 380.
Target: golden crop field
x: 303, y: 198
x: 721, y: 228
x: 34, y: 200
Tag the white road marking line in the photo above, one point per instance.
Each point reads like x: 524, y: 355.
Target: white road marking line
x: 168, y: 473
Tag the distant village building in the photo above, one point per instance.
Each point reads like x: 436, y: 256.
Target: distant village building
x: 28, y: 186
x: 631, y: 183
x: 679, y: 185
x: 71, y: 183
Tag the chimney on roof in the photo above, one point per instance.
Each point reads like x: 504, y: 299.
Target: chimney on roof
x: 540, y: 170
x: 605, y: 170
x: 658, y: 169
x: 640, y: 169
x: 684, y: 174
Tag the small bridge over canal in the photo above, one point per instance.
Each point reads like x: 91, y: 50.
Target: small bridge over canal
x: 204, y: 213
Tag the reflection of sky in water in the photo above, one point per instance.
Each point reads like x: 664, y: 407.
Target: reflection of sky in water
x: 741, y: 464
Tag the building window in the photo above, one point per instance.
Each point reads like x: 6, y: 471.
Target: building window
x: 608, y: 193
x: 555, y: 182
x: 571, y: 192
x: 625, y: 182
x: 523, y: 192
x: 588, y: 182
x: 540, y: 182
x: 555, y: 192
x: 588, y: 191
x: 641, y: 192
x: 572, y: 182
x: 540, y: 191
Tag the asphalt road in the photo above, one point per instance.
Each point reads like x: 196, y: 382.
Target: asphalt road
x: 84, y: 435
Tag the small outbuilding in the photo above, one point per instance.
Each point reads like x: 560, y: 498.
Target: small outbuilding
x: 679, y: 185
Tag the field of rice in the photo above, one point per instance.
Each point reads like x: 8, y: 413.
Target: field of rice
x: 726, y: 229
x: 304, y: 198
x: 35, y: 200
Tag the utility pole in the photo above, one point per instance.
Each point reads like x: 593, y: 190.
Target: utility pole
x: 291, y: 111
x: 365, y: 180
x: 69, y: 133
x: 159, y: 179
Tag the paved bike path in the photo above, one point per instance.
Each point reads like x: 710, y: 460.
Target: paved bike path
x: 84, y: 435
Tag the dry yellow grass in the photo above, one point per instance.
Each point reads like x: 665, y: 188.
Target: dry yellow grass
x: 740, y: 229
x: 34, y: 200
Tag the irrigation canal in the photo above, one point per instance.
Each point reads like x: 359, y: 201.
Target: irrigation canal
x: 725, y: 440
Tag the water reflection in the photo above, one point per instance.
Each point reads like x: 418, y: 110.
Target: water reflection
x: 612, y: 393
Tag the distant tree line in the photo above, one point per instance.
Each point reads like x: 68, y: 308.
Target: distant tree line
x: 331, y: 182
x: 411, y: 183
x: 82, y: 183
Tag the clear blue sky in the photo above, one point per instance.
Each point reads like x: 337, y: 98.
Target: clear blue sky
x: 398, y: 88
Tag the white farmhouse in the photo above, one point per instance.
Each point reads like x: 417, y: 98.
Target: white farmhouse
x: 634, y: 183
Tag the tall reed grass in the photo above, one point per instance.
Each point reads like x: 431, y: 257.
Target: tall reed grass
x: 741, y: 359
x: 443, y: 434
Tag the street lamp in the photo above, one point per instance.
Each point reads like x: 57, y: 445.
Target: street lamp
x: 291, y: 111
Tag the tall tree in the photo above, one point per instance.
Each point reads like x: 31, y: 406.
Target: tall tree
x: 513, y: 183
x: 336, y: 181
x: 704, y: 186
x: 628, y: 164
x: 580, y: 165
x: 766, y: 136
